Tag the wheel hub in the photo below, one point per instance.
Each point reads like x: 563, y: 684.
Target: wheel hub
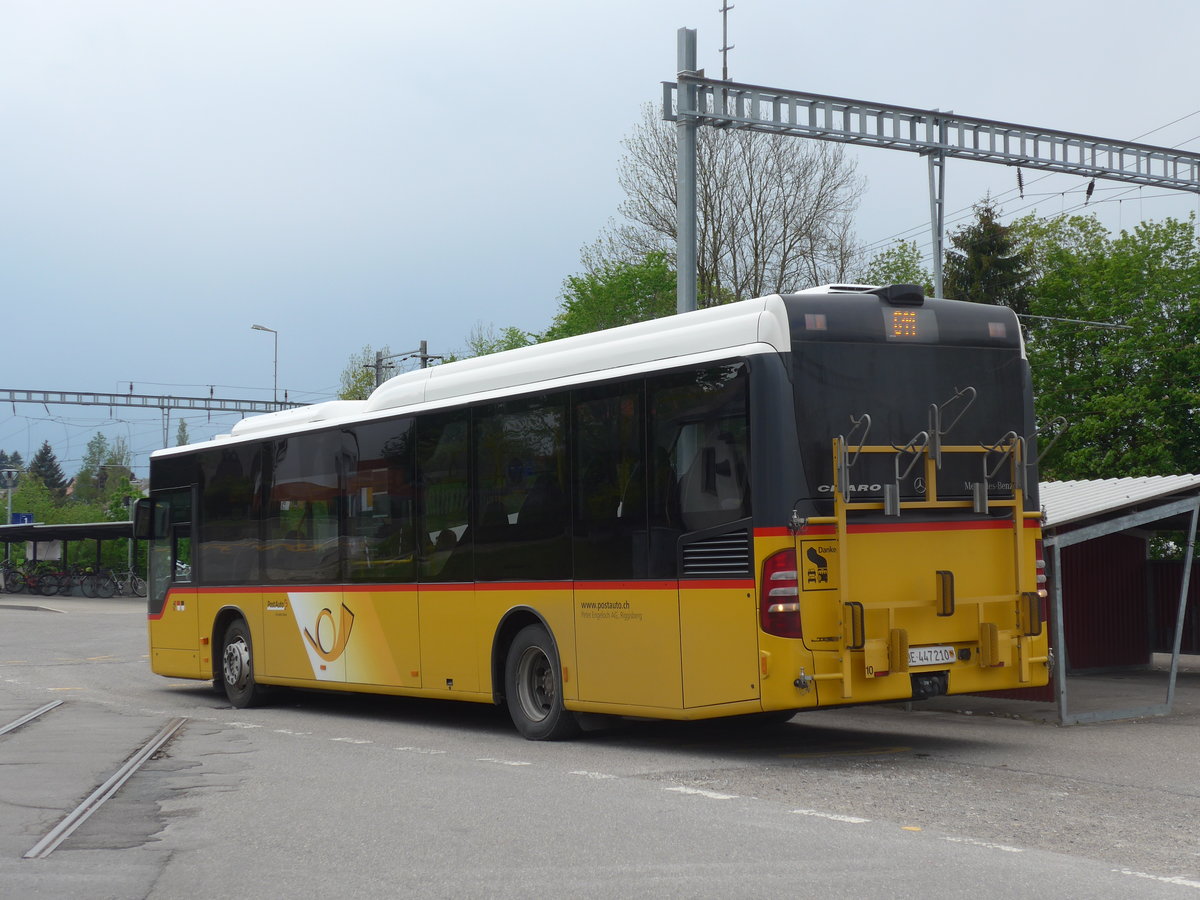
x: 535, y: 686
x: 237, y: 663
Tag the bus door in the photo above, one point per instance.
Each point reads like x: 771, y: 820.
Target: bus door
x: 306, y: 624
x: 176, y: 646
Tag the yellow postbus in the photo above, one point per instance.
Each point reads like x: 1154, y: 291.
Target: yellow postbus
x: 780, y: 504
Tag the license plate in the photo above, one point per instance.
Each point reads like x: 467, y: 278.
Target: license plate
x: 931, y: 656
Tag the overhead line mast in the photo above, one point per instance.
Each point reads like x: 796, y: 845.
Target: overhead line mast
x: 694, y: 100
x: 165, y: 403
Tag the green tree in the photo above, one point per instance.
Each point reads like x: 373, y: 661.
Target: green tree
x: 181, y: 434
x: 987, y: 264
x: 618, y: 293
x: 898, y: 264
x: 484, y: 340
x: 89, y: 477
x: 1129, y: 392
x: 44, y: 466
x: 118, y: 464
x: 358, y: 378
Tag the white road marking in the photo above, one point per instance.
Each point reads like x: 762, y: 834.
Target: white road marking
x: 1165, y: 879
x: 597, y: 775
x: 711, y: 795
x: 503, y: 762
x: 351, y: 741
x: 420, y: 750
x: 988, y: 844
x: 836, y: 817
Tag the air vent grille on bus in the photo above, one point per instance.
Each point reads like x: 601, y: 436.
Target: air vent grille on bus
x: 724, y: 556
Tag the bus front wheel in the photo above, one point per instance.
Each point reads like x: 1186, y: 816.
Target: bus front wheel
x: 533, y: 687
x: 237, y: 667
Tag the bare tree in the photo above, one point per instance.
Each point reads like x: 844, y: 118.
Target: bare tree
x: 774, y: 212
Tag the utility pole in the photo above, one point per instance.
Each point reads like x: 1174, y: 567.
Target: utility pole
x: 725, y: 45
x: 8, y: 481
x: 685, y: 172
x: 422, y: 353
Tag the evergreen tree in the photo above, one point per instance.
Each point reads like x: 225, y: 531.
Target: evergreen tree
x: 45, y: 466
x: 181, y: 434
x: 988, y: 263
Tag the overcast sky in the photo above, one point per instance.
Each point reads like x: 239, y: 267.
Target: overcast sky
x: 370, y: 172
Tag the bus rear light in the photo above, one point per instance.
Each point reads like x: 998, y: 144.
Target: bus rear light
x: 1040, y: 564
x: 1039, y: 552
x: 779, y: 602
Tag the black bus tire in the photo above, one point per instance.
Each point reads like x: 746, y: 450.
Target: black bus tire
x: 533, y: 687
x: 237, y: 667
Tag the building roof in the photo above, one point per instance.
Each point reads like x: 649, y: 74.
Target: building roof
x: 1068, y: 502
x: 82, y: 531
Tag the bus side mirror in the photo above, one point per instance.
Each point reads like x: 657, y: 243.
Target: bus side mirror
x: 149, y: 520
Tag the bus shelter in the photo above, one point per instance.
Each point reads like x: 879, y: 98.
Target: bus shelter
x: 1096, y: 538
x: 38, y: 535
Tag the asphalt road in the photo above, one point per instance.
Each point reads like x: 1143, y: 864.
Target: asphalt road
x: 336, y: 795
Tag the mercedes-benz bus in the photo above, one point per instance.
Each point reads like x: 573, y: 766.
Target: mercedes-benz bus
x: 779, y: 504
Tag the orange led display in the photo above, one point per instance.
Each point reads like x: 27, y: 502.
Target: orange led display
x: 904, y: 324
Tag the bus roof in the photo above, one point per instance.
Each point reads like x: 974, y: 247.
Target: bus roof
x: 747, y: 326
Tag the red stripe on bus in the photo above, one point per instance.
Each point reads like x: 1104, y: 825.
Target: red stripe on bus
x: 773, y: 532
x: 819, y: 530
x: 626, y: 585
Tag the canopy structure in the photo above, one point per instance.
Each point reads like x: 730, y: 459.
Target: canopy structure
x: 1082, y: 511
x: 37, y: 534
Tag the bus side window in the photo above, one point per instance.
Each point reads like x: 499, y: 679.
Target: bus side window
x: 701, y: 449
x: 713, y: 488
x: 609, y: 482
x: 443, y: 479
x: 523, y: 507
x: 379, y: 543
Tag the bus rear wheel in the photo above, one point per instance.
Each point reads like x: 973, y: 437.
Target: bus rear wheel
x: 533, y: 687
x: 237, y: 667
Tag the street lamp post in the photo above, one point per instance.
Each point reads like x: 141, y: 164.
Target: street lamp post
x: 8, y: 481
x: 276, y: 336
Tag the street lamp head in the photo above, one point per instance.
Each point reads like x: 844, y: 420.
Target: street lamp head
x: 264, y: 328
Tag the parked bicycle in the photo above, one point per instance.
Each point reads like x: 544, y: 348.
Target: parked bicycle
x: 12, y: 578
x: 107, y: 583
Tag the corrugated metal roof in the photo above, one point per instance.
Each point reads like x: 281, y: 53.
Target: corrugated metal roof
x: 1073, y: 501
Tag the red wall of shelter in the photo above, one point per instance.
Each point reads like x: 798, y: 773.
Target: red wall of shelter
x: 1106, y: 608
x: 1165, y: 581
